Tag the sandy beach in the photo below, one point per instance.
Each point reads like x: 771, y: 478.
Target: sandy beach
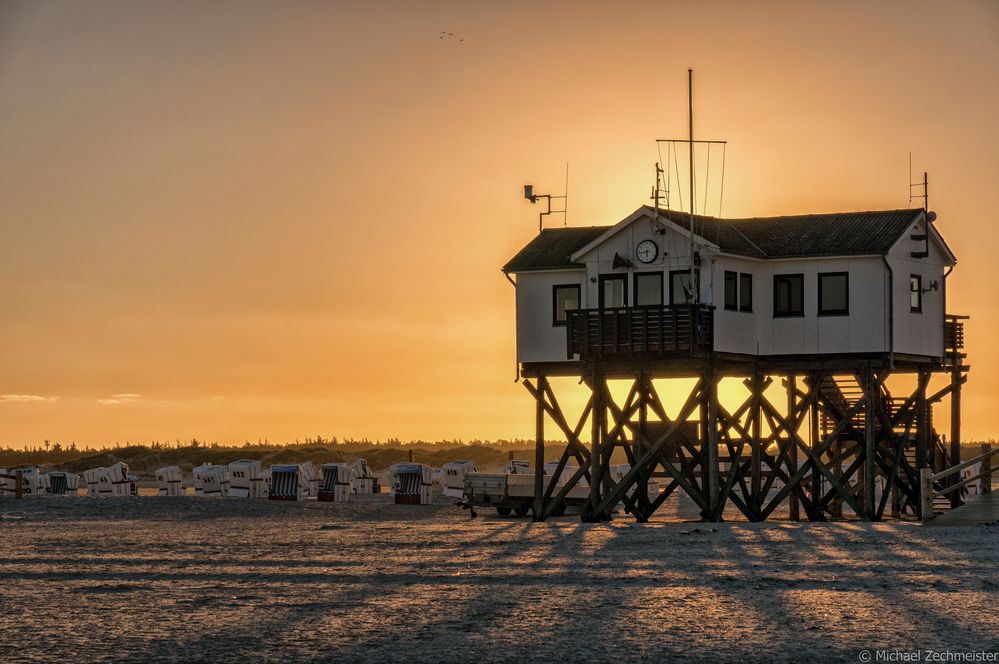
x: 185, y: 579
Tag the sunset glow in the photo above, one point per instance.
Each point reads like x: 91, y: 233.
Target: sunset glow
x: 239, y: 221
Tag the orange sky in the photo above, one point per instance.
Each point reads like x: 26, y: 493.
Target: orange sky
x: 279, y: 219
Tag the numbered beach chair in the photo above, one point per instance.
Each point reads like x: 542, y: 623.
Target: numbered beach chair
x: 246, y: 479
x: 362, y: 480
x: 454, y: 474
x: 211, y: 480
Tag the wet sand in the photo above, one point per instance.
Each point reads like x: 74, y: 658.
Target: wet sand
x: 189, y: 579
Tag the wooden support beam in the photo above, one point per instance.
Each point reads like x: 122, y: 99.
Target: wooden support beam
x: 628, y: 480
x: 955, y: 426
x: 710, y: 442
x: 539, y: 451
x: 870, y: 468
x: 793, y: 507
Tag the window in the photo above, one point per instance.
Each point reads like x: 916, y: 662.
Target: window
x: 916, y: 293
x: 566, y: 298
x: 789, y: 295
x: 613, y: 291
x: 834, y: 293
x: 680, y: 291
x: 731, y: 290
x: 648, y: 289
x: 745, y: 291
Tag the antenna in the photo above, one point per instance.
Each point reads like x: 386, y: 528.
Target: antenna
x: 533, y: 197
x: 695, y: 259
x: 925, y: 184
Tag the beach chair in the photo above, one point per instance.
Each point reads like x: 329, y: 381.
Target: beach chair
x: 335, y: 486
x: 310, y: 479
x: 211, y: 480
x: 92, y: 478
x: 287, y: 482
x: 169, y: 481
x: 246, y: 479
x: 413, y: 483
x: 61, y: 483
x: 454, y: 474
x: 362, y: 480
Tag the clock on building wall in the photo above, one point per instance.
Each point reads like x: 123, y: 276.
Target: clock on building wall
x: 647, y: 251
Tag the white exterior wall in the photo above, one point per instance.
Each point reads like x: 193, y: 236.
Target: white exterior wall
x: 737, y: 331
x: 538, y: 340
x: 866, y: 329
x: 918, y: 333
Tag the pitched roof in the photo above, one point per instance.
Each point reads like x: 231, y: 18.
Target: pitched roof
x: 836, y: 234
x: 552, y: 248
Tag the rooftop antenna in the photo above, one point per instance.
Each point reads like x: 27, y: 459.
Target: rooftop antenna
x: 690, y: 141
x: 690, y: 137
x: 533, y: 197
x: 925, y: 184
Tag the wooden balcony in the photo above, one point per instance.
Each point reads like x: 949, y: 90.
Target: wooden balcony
x: 679, y: 329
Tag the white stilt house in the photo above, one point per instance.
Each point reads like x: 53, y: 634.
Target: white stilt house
x: 845, y: 284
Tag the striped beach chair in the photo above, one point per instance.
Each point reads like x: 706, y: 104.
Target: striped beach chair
x: 335, y: 487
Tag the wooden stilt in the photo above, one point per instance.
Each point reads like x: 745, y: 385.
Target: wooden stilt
x: 539, y: 451
x: 793, y: 507
x: 869, y: 442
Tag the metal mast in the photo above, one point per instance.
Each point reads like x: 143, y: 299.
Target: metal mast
x: 690, y: 109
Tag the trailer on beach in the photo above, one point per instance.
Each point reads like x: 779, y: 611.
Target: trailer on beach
x: 513, y: 493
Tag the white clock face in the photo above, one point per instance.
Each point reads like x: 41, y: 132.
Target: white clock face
x: 647, y: 251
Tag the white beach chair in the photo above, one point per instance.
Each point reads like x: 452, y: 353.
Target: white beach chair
x: 211, y: 480
x: 246, y: 479
x: 454, y: 474
x: 362, y: 480
x: 169, y: 481
x: 335, y: 487
x: 310, y: 479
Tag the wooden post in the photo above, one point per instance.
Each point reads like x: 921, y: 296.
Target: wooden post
x: 794, y: 511
x: 18, y: 484
x: 870, y: 468
x: 539, y: 451
x: 756, y: 449
x: 412, y: 455
x: 986, y: 481
x: 925, y: 494
x: 596, y: 426
x: 922, y: 423
x: 816, y: 488
x: 955, y: 427
x: 711, y: 440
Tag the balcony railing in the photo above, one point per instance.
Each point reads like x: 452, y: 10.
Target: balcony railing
x: 642, y: 331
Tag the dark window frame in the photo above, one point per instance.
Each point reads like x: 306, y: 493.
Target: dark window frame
x: 918, y: 309
x: 611, y: 277
x: 833, y: 312
x: 579, y: 301
x: 734, y: 276
x: 695, y: 286
x: 634, y: 281
x: 791, y: 313
x: 745, y: 304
